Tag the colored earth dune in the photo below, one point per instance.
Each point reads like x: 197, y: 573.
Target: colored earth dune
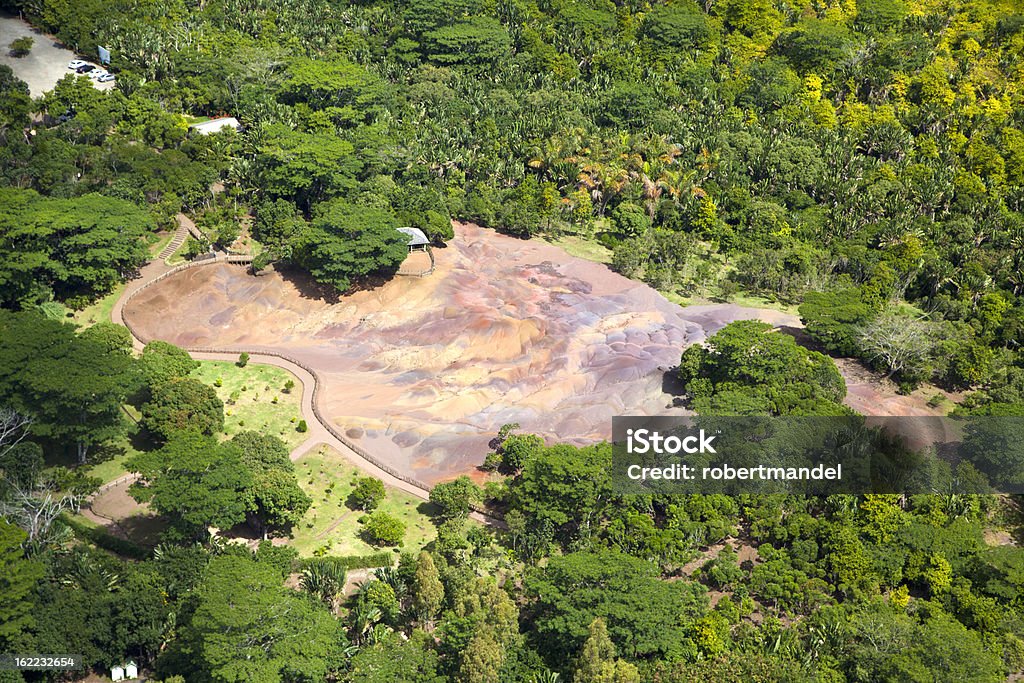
x: 422, y: 372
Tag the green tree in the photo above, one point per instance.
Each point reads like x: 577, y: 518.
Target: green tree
x: 248, y: 627
x: 427, y: 590
x: 813, y: 45
x: 261, y: 452
x: 597, y: 663
x: 677, y: 26
x: 384, y: 529
x: 398, y: 660
x: 306, y: 167
x: 278, y: 500
x: 630, y: 220
x: 518, y: 449
x: 80, y: 247
x: 18, y: 577
x: 564, y: 487
x: 183, y: 404
x: 21, y: 46
x: 348, y: 243
x: 195, y: 481
x: 346, y: 91
x: 646, y: 617
x: 162, y: 362
x: 482, y: 658
x: 368, y: 493
x: 72, y: 386
x: 111, y: 337
x: 833, y: 318
x: 478, y: 41
x: 747, y: 369
x: 881, y: 14
x: 455, y: 497
x: 15, y: 101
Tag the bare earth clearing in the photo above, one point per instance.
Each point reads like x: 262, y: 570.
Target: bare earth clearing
x: 423, y: 371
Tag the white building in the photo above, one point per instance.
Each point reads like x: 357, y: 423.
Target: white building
x: 216, y: 125
x: 417, y: 239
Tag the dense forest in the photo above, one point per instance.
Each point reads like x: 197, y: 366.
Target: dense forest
x: 862, y: 160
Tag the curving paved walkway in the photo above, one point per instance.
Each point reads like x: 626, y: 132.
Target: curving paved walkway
x: 320, y: 433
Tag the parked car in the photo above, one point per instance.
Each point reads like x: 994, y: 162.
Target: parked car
x: 84, y: 69
x: 97, y: 73
x: 75, y: 63
x: 105, y: 78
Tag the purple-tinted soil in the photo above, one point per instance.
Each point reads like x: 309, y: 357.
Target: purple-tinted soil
x: 423, y: 371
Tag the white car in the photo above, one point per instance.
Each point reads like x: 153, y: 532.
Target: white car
x: 106, y: 78
x: 75, y: 63
x: 97, y: 74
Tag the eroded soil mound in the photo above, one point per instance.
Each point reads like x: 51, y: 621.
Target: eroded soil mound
x: 423, y: 371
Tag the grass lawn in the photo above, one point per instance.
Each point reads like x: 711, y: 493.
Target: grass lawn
x: 255, y: 387
x: 178, y: 256
x: 99, y: 310
x: 109, y: 460
x: 581, y: 248
x: 328, y: 478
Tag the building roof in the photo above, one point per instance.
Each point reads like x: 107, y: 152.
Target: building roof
x: 416, y: 236
x: 216, y: 125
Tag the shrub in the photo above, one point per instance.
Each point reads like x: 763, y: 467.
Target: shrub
x: 381, y: 559
x: 288, y: 386
x: 368, y: 494
x: 384, y: 529
x: 21, y: 46
x: 302, y: 427
x: 243, y: 359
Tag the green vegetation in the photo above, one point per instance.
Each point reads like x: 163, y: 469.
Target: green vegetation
x: 332, y: 524
x: 73, y: 249
x: 20, y: 47
x: 254, y: 398
x: 862, y: 161
x: 749, y: 369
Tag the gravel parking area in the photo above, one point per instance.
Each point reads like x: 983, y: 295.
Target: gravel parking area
x: 46, y: 64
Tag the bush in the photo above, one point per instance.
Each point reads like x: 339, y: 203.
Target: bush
x: 182, y: 404
x: 21, y: 46
x: 302, y: 427
x: 383, y: 529
x: 288, y: 386
x: 381, y: 559
x: 243, y: 359
x: 368, y: 494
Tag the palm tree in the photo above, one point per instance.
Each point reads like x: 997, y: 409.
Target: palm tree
x: 391, y: 577
x: 363, y: 619
x: 546, y: 677
x: 324, y: 580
